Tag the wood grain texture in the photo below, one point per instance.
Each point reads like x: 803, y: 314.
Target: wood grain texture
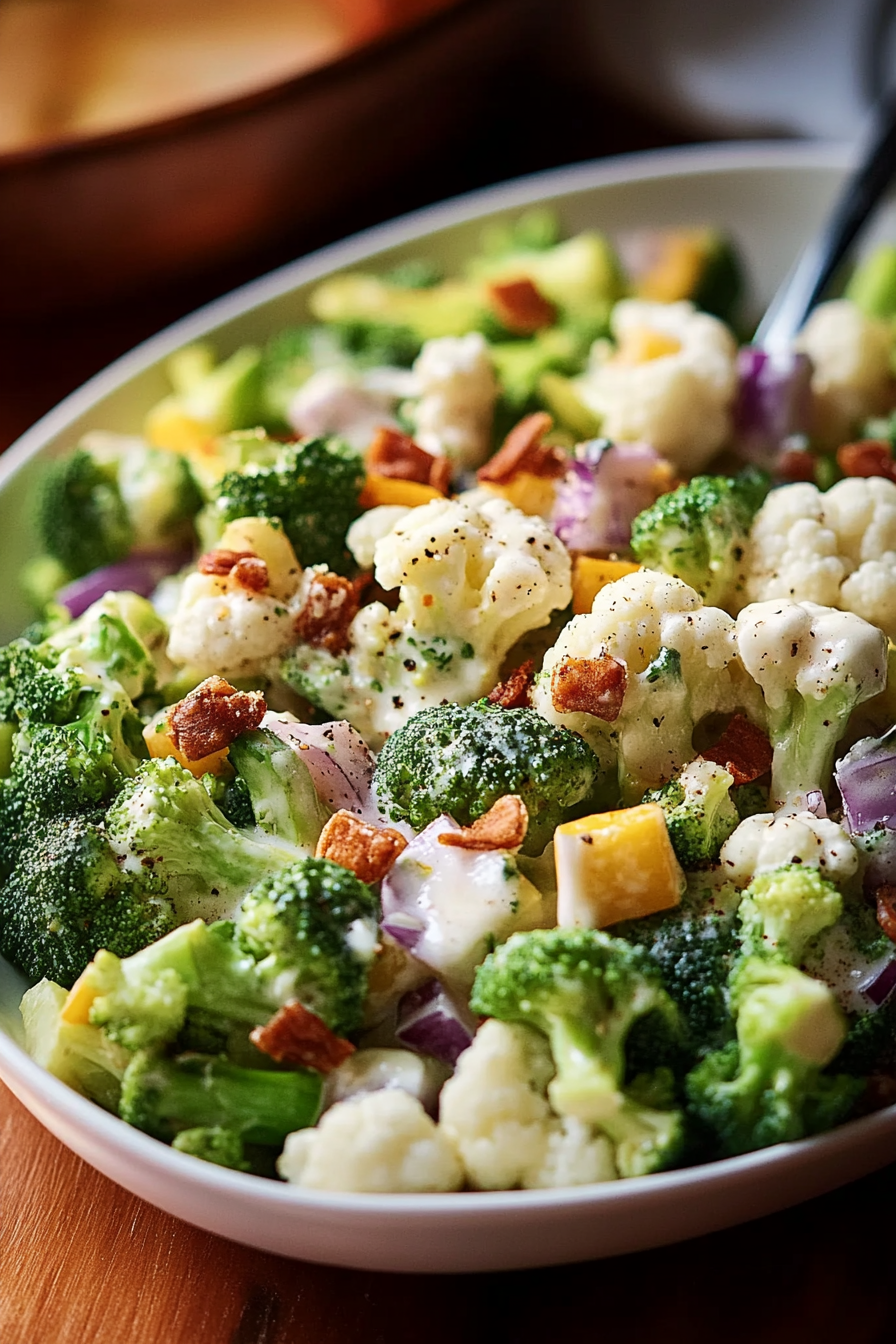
x: 83, y: 1261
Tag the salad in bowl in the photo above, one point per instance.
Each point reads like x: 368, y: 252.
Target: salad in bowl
x: 452, y: 750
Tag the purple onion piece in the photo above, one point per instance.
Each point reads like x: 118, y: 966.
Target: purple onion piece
x: 815, y: 803
x: 339, y: 761
x: 773, y: 403
x: 878, y: 989
x: 430, y: 1022
x: 141, y: 573
x: 604, y: 490
x: 406, y: 931
x: 866, y: 778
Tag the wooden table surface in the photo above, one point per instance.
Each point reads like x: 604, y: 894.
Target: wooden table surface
x: 83, y: 1261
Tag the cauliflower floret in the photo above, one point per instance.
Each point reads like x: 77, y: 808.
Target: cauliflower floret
x: 670, y: 382
x: 836, y: 548
x: 766, y: 841
x: 370, y: 528
x: 457, y: 391
x: 851, y: 378
x: 220, y: 627
x: 680, y: 664
x: 472, y: 580
x: 377, y: 1143
x: 494, y: 1110
x: 815, y: 665
x: 340, y: 401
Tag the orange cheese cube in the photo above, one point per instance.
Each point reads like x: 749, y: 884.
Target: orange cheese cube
x: 161, y: 744
x: 393, y: 490
x: 590, y: 575
x: 526, y: 491
x: 614, y: 866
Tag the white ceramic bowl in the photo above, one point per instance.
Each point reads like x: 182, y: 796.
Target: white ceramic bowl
x: 769, y: 198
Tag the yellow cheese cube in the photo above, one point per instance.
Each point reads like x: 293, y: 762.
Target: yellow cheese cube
x: 168, y: 426
x: 76, y: 1009
x: 526, y: 491
x: 614, y: 866
x: 270, y: 543
x: 392, y: 490
x: 642, y: 344
x: 590, y: 575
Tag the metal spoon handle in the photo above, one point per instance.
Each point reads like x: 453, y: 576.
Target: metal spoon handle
x: 814, y: 268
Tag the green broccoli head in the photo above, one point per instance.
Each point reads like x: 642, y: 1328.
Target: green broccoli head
x: 585, y: 990
x: 164, y: 821
x: 66, y: 896
x: 114, y: 640
x: 700, y: 813
x: 81, y: 518
x: 164, y: 1097
x: 312, y: 487
x: 32, y: 688
x: 461, y: 759
x: 783, y: 909
x: 213, y: 1143
x: 768, y: 1086
x: 698, y: 532
x: 312, y: 931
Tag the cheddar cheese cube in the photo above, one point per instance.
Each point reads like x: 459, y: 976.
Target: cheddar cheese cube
x: 590, y: 575
x: 614, y: 866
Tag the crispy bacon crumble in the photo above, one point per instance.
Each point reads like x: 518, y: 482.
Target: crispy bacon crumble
x: 368, y: 851
x: 867, y: 457
x: 520, y: 306
x: 589, y: 686
x: 523, y: 450
x: 212, y: 716
x: 392, y: 453
x: 295, y: 1035
x: 330, y: 606
x: 503, y: 826
x: 743, y: 750
x: 886, y: 910
x: 515, y: 692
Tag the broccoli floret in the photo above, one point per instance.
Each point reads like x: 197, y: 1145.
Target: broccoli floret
x: 80, y: 1055
x: 870, y: 1045
x: 81, y: 518
x: 213, y: 1143
x: 32, y: 690
x: 282, y: 798
x: 156, y: 485
x: 233, y: 799
x: 700, y: 814
x: 585, y: 990
x: 767, y: 1086
x: 312, y: 488
x: 462, y: 759
x: 66, y: 896
x: 164, y: 1097
x: 114, y: 640
x: 750, y: 800
x: 784, y: 909
x: 694, y: 946
x: 163, y: 821
x: 698, y: 532
x: 312, y: 930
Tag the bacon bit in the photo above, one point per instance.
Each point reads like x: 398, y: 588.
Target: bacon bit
x: 520, y: 306
x: 394, y: 454
x: 368, y: 851
x: 743, y: 749
x: 523, y: 450
x: 220, y: 563
x: 503, y: 826
x: 330, y: 606
x: 251, y: 572
x: 514, y: 692
x: 589, y: 686
x: 886, y: 910
x: 295, y: 1035
x: 867, y: 457
x: 212, y: 716
x: 428, y: 599
x: 795, y: 464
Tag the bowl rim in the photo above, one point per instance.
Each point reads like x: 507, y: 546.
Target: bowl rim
x: 28, y: 1079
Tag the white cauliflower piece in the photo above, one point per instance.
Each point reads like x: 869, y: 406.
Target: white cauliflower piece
x: 339, y: 401
x: 220, y: 627
x: 457, y: 390
x: 370, y: 528
x: 377, y: 1143
x: 472, y: 580
x: 495, y: 1112
x: 814, y: 665
x: 837, y: 548
x: 767, y: 841
x: 680, y: 664
x: 851, y: 377
x: 670, y: 383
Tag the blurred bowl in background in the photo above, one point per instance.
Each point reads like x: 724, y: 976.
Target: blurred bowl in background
x: 139, y: 148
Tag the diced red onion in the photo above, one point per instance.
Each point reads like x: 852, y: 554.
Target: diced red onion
x: 866, y: 778
x: 404, y: 928
x: 774, y: 401
x: 606, y: 487
x: 141, y: 572
x: 815, y: 803
x: 430, y: 1022
x: 881, y: 986
x: 339, y: 761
